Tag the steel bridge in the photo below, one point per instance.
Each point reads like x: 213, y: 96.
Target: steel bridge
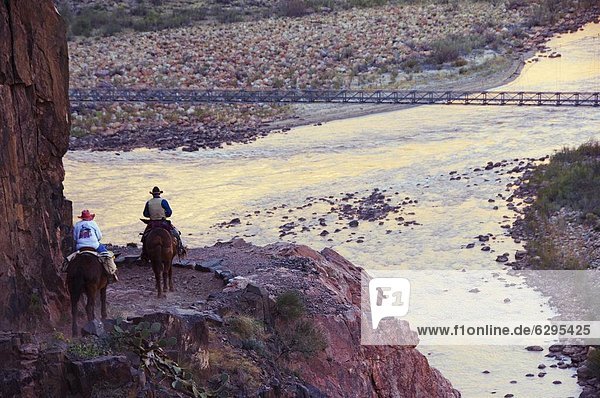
x: 408, y: 97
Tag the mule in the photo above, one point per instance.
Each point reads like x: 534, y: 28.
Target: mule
x: 86, y: 275
x: 161, y: 248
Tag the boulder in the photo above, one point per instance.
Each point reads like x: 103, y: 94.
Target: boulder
x: 94, y: 328
x: 101, y: 373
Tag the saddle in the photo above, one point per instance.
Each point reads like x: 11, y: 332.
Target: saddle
x: 87, y: 250
x: 151, y: 224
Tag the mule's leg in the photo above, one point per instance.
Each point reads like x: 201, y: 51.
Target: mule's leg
x: 171, y: 278
x: 90, y: 292
x: 74, y: 302
x: 165, y: 276
x: 75, y: 289
x: 103, y: 302
x: 157, y: 273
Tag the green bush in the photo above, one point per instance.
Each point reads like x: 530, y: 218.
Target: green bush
x: 303, y: 337
x: 452, y: 47
x: 367, y: 3
x: 94, y: 21
x: 289, y: 305
x: 227, y: 15
x: 246, y: 327
x: 593, y: 361
x: 571, y: 179
x: 291, y: 8
x: 552, y: 252
x: 297, y: 333
x: 411, y: 65
x: 89, y: 347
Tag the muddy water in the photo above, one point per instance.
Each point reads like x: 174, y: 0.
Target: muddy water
x: 410, y: 152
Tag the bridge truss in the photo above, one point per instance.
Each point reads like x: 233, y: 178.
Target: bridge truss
x: 407, y: 97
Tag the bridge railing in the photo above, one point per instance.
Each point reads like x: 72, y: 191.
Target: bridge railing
x: 521, y: 98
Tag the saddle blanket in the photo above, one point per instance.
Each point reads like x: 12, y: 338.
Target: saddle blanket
x: 106, y: 258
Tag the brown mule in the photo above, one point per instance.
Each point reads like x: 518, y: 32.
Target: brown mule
x: 160, y: 248
x: 86, y: 275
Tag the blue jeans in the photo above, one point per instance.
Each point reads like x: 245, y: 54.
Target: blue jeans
x: 101, y: 248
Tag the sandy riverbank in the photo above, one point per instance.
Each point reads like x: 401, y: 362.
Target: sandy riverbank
x: 489, y: 78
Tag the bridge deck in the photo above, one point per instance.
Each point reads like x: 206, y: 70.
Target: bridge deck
x: 337, y: 96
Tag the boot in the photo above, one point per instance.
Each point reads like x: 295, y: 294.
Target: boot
x: 181, y: 252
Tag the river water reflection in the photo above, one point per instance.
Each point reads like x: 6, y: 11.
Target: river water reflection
x: 410, y: 152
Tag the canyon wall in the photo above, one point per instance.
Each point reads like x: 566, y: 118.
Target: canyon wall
x: 34, y: 129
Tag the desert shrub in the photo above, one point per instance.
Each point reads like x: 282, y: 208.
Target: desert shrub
x: 291, y: 8
x: 227, y: 15
x: 460, y: 62
x: 411, y: 65
x: 246, y: 327
x: 257, y: 346
x: 593, y: 361
x: 81, y: 26
x: 289, y: 305
x: 95, y: 21
x: 452, y: 47
x: 303, y: 337
x: 516, y: 4
x: 140, y: 10
x: 297, y: 333
x: 89, y: 347
x: 242, y: 370
x: 367, y: 3
x: 585, y: 152
x: 584, y: 4
x: 571, y: 179
x: 546, y: 12
x: 555, y: 250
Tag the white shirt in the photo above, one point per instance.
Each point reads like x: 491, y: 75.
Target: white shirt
x: 87, y: 234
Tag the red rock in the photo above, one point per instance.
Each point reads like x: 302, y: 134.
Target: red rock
x: 346, y: 365
x: 34, y: 129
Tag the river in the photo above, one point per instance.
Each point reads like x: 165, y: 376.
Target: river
x: 410, y: 152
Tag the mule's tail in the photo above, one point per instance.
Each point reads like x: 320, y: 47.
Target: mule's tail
x: 155, y: 255
x: 76, y: 284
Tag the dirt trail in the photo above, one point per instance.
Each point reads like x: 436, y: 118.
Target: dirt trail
x: 135, y: 292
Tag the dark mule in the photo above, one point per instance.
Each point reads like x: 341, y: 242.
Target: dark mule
x: 86, y: 275
x: 160, y: 249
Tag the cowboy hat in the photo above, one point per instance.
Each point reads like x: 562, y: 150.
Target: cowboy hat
x: 86, y: 215
x: 156, y: 190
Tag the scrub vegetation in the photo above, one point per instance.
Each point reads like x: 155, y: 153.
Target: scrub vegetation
x: 565, y: 215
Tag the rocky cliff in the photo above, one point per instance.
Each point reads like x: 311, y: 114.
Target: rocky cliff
x: 273, y: 343
x: 34, y: 132
x: 275, y: 321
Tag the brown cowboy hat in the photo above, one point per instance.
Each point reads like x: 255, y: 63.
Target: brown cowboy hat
x: 156, y: 190
x: 86, y: 215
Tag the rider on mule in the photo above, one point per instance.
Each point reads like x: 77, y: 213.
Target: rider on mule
x: 87, y: 235
x: 157, y: 210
